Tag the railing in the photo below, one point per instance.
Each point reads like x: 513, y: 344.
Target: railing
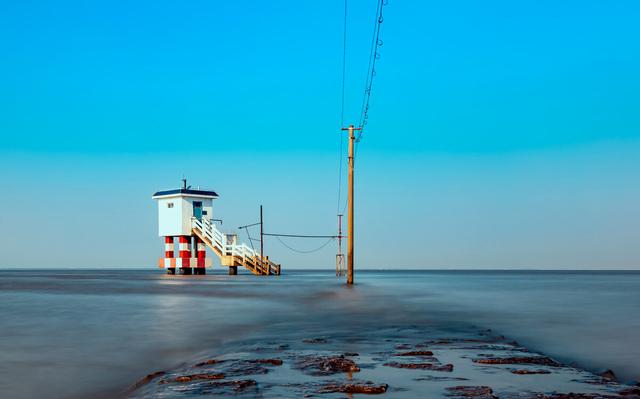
x: 250, y: 257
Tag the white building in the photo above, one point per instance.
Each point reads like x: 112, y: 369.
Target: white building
x: 176, y: 210
x: 177, y: 207
x: 187, y: 213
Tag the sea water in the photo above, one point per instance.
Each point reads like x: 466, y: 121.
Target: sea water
x: 88, y: 333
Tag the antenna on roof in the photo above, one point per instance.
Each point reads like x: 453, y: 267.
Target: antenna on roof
x: 184, y: 182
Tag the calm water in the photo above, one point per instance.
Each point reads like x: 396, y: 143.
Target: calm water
x: 93, y: 333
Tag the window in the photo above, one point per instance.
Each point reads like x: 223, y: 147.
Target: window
x: 197, y: 204
x: 204, y: 213
x: 169, y: 204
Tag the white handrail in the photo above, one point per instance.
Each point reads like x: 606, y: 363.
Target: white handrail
x: 218, y: 239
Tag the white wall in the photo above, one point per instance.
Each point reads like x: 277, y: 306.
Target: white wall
x: 176, y: 221
x: 170, y: 219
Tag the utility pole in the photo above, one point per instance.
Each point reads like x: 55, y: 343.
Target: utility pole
x: 352, y: 139
x: 340, y: 255
x: 262, y: 241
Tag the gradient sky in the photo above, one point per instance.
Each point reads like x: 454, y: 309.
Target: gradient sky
x: 502, y: 134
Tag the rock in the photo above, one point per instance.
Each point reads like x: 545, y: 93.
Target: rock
x: 470, y: 392
x: 527, y: 372
x: 608, y: 375
x: 633, y: 392
x: 539, y: 360
x: 326, y: 365
x: 241, y: 367
x: 194, y: 377
x: 351, y: 354
x: 147, y: 379
x: 273, y: 362
x: 415, y: 353
x: 367, y: 388
x: 421, y: 366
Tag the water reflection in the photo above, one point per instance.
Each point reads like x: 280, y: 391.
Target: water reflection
x: 89, y: 333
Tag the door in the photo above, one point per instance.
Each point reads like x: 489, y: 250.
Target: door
x: 197, y: 209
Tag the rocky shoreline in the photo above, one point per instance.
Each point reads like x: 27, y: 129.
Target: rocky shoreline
x: 397, y: 362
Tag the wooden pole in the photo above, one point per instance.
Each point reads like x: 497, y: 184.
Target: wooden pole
x: 262, y: 242
x: 339, y: 256
x: 352, y: 139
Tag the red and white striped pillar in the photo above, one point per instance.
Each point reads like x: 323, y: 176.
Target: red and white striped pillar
x: 201, y: 253
x: 169, y: 260
x: 185, y: 254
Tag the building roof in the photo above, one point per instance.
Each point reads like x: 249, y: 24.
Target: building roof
x: 186, y: 191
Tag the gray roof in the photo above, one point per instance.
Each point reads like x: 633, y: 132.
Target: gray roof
x: 187, y: 191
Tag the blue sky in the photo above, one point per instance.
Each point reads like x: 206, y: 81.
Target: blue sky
x: 502, y: 134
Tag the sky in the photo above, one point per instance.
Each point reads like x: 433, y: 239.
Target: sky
x: 501, y: 134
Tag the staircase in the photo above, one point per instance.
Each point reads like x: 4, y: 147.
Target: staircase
x: 232, y: 254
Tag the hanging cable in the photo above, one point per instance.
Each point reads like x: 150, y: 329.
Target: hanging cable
x: 344, y: 76
x: 374, y: 55
x: 344, y: 63
x: 297, y: 235
x: 250, y: 239
x: 305, y: 251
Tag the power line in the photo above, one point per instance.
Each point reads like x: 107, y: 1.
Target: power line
x: 344, y: 76
x: 298, y: 235
x: 250, y: 239
x: 249, y: 225
x: 374, y: 55
x: 304, y: 251
x: 344, y: 62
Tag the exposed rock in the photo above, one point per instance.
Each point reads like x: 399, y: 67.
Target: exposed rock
x: 195, y: 377
x: 366, y: 388
x: 421, y: 366
x: 633, y: 392
x: 238, y: 367
x: 351, y: 354
x: 480, y: 392
x: 326, y: 365
x: 147, y: 379
x: 527, y: 372
x: 608, y: 375
x: 539, y: 360
x: 273, y: 362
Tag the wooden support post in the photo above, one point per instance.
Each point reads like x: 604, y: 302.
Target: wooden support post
x: 352, y: 139
x: 339, y: 255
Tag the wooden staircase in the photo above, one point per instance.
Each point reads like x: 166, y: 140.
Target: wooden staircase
x: 231, y: 253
